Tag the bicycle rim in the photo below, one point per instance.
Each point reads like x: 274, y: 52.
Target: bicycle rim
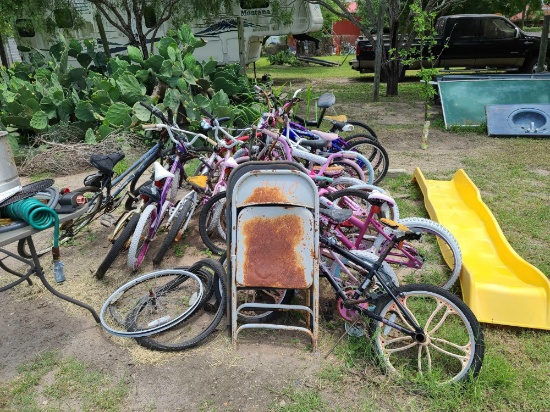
x: 152, y: 303
x: 453, y: 348
x: 204, y: 320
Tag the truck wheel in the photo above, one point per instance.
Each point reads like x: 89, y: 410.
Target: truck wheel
x: 531, y: 65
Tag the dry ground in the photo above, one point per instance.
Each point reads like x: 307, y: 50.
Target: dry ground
x: 213, y: 376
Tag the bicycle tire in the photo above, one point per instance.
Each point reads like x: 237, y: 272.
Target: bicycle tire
x: 202, y: 322
x: 441, y: 256
x: 359, y: 198
x: 452, y: 334
x: 358, y: 127
x: 147, y: 295
x: 374, y: 152
x: 117, y: 246
x: 210, y: 219
x: 140, y: 238
x: 178, y: 223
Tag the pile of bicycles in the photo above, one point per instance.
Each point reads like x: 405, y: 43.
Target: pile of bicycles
x: 390, y: 275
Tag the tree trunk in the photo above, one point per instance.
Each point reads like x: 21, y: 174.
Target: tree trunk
x: 102, y: 34
x: 3, y: 55
x: 242, y: 44
x: 393, y: 72
x: 378, y: 54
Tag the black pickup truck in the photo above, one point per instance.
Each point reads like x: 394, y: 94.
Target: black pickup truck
x: 474, y: 41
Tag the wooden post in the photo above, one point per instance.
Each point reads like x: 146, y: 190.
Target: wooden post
x: 242, y: 44
x: 543, y: 45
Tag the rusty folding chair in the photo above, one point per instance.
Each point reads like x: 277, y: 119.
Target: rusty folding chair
x: 273, y: 241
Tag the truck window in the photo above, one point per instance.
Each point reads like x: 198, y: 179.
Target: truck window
x: 498, y: 29
x: 439, y: 27
x: 463, y: 28
x: 24, y: 27
x: 254, y: 4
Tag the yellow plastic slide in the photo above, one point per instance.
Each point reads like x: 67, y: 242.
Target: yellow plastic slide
x: 497, y: 284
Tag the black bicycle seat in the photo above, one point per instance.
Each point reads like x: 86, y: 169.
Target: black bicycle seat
x: 106, y: 163
x: 314, y: 144
x: 337, y: 215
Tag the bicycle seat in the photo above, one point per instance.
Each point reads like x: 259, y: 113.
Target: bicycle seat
x: 377, y: 196
x: 329, y: 137
x: 151, y: 191
x: 314, y: 144
x: 337, y: 215
x: 106, y: 163
x: 326, y: 100
x: 341, y: 118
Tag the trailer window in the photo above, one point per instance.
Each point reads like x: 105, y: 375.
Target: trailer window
x: 149, y: 16
x: 254, y: 4
x: 24, y: 27
x: 63, y: 18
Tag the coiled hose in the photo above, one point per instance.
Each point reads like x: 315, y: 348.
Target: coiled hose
x: 36, y: 214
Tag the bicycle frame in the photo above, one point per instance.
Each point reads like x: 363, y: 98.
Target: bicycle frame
x: 408, y: 256
x: 372, y: 270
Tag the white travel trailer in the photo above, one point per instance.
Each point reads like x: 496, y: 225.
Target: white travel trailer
x: 220, y: 32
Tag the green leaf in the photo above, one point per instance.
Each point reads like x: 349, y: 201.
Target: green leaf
x: 172, y: 99
x: 219, y: 99
x: 142, y: 75
x: 208, y: 67
x: 135, y: 54
x: 119, y: 115
x: 101, y: 97
x: 226, y: 85
x: 39, y: 121
x: 202, y: 101
x: 190, y: 62
x: 154, y: 62
x: 89, y: 137
x: 75, y: 45
x: 164, y: 44
x: 84, y: 111
x: 65, y: 109
x: 130, y: 89
x: 182, y: 85
x: 141, y: 113
x: 173, y: 52
x: 103, y: 131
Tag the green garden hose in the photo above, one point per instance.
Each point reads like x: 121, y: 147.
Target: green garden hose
x: 36, y: 214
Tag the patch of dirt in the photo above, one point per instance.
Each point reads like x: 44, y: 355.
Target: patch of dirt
x: 214, y: 376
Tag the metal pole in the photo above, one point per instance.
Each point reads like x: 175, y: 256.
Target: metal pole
x: 242, y: 45
x: 543, y: 45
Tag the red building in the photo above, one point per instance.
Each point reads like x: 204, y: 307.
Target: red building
x: 344, y: 32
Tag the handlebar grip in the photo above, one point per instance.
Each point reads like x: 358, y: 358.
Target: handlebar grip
x: 207, y: 114
x: 150, y: 126
x: 258, y: 88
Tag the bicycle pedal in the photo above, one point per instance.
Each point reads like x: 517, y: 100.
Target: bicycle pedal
x: 107, y: 220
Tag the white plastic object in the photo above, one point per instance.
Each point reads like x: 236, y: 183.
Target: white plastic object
x: 161, y: 172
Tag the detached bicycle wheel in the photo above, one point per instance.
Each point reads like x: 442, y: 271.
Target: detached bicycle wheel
x: 212, y: 224
x: 152, y: 303
x: 205, y: 318
x: 453, y: 347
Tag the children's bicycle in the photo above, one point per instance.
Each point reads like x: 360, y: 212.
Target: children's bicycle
x: 415, y: 329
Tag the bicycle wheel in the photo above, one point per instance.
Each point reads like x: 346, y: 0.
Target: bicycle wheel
x: 179, y: 224
x: 203, y: 321
x: 374, y: 152
x: 212, y: 224
x: 141, y: 237
x: 434, y: 259
x: 358, y: 128
x: 120, y: 243
x: 357, y: 200
x: 279, y: 296
x: 453, y: 347
x: 152, y: 303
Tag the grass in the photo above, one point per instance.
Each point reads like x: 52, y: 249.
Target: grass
x: 50, y: 382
